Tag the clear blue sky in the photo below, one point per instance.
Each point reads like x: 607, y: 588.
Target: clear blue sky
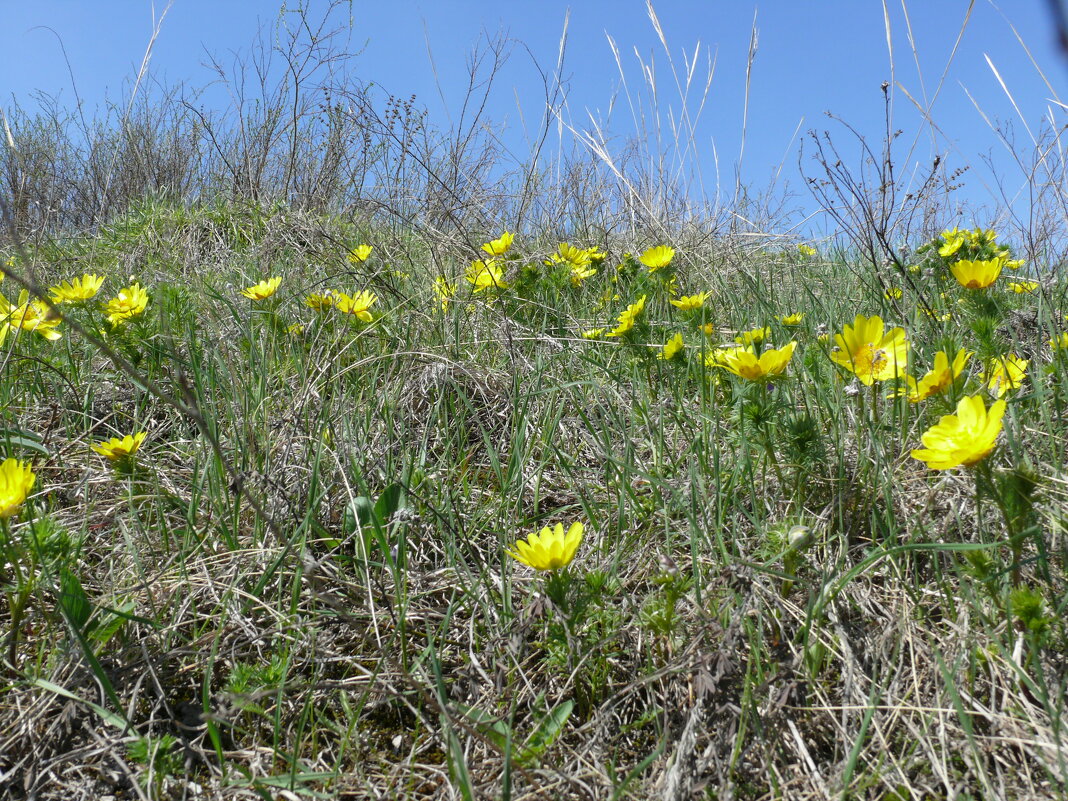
x: 813, y: 57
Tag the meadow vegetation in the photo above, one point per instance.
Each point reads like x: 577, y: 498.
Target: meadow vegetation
x: 341, y: 457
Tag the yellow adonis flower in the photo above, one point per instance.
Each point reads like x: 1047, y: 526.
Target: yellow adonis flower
x: 628, y: 317
x: 953, y: 240
x: 657, y: 258
x: 708, y: 329
x: 444, y: 292
x: 719, y: 354
x: 940, y: 378
x: 892, y: 293
x: 500, y: 245
x: 77, y: 291
x: 754, y: 336
x: 16, y: 481
x: 549, y: 549
x: 1005, y: 373
x: 570, y: 255
x: 116, y: 449
x: 1060, y: 342
x: 592, y: 333
x: 130, y: 302
x: 964, y: 438
x: 360, y: 253
x: 869, y: 352
x: 483, y: 275
x: 1022, y: 287
x: 672, y: 348
x: 30, y: 316
x: 976, y: 274
x: 806, y: 250
x: 580, y: 274
x: 357, y: 305
x: 321, y: 302
x: 262, y: 290
x: 744, y: 363
x: 791, y: 319
x: 1015, y: 264
x: 690, y: 302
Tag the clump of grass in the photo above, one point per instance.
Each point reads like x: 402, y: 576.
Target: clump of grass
x: 304, y: 549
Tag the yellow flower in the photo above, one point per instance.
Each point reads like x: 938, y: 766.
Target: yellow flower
x: 979, y: 237
x: 717, y: 356
x: 657, y: 258
x: 116, y: 449
x: 592, y: 333
x: 708, y: 329
x: 360, y: 253
x: 964, y: 438
x: 444, y: 292
x: 78, y: 290
x: 580, y: 274
x: 690, y: 302
x: 1005, y: 373
x: 550, y: 548
x: 16, y: 481
x: 485, y: 275
x: 976, y: 274
x: 570, y: 255
x: 743, y: 362
x: 940, y: 378
x: 867, y: 351
x: 914, y: 269
x: 321, y: 302
x: 1015, y: 264
x: 1023, y: 287
x: 672, y: 348
x: 892, y: 293
x: 295, y: 328
x: 262, y: 290
x: 356, y: 305
x: 1059, y: 342
x: 500, y: 245
x: 754, y: 336
x: 30, y: 316
x: 806, y: 250
x: 951, y: 246
x: 791, y: 319
x: 627, y: 318
x: 129, y: 302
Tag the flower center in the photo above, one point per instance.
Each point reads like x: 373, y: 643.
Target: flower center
x: 870, y: 360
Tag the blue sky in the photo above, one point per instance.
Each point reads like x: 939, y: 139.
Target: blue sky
x: 812, y: 57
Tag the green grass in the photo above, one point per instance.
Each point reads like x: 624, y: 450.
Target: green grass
x: 300, y: 582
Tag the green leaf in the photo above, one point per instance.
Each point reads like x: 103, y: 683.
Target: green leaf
x: 106, y: 715
x: 73, y: 600
x: 360, y: 513
x: 107, y: 627
x: 26, y: 440
x: 392, y: 499
x: 547, y: 733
